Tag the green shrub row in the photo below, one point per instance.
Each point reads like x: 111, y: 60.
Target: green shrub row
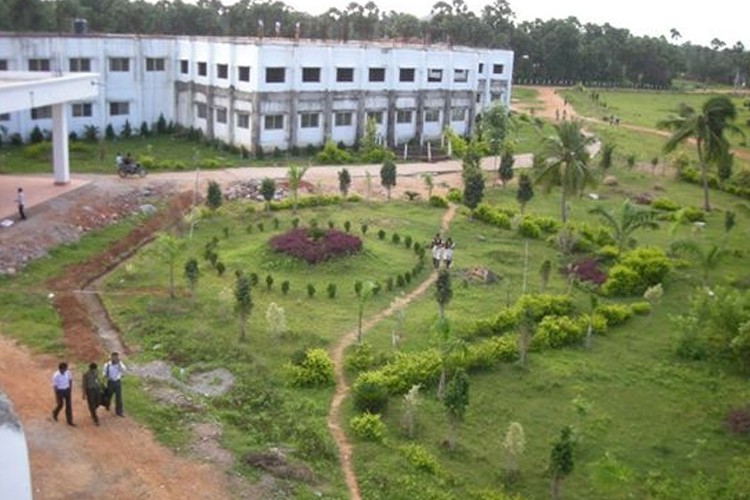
x: 637, y: 270
x: 536, y: 305
x: 320, y: 200
x: 315, y: 369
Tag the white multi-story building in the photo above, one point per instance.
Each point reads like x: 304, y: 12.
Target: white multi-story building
x: 268, y: 93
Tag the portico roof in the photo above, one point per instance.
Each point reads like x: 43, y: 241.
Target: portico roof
x: 20, y: 90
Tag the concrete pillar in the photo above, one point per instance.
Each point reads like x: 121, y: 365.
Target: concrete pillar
x: 328, y: 116
x: 390, y: 117
x: 419, y: 132
x: 293, y: 133
x: 60, y: 162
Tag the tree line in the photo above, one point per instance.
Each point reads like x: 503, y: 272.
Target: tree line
x: 555, y: 51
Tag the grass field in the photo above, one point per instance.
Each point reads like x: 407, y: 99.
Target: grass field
x: 648, y: 424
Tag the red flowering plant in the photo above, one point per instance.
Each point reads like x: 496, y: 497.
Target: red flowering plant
x: 586, y: 270
x: 314, y: 245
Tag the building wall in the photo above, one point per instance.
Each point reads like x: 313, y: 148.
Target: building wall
x: 220, y: 85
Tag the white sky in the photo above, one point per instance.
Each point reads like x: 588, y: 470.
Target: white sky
x: 698, y: 23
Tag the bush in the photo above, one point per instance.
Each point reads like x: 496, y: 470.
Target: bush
x: 665, y: 204
x: 586, y: 270
x: 559, y: 331
x: 368, y: 427
x: 640, y: 308
x: 285, y: 287
x: 315, y: 370
x: 737, y: 420
x: 395, y: 238
x: 331, y: 154
x: 310, y: 290
x: 408, y: 241
x: 455, y: 195
x: 492, y: 216
x: 331, y: 290
x: 529, y: 229
x: 36, y: 135
x: 694, y: 214
x: 363, y: 228
x: 370, y: 393
x: 622, y: 281
x: 361, y: 358
x: 400, y: 281
x: 347, y: 226
x: 614, y: 314
x: 381, y: 234
x: 638, y: 269
x: 421, y: 459
x: 438, y: 202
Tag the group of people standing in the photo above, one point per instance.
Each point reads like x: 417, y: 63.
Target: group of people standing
x: 442, y: 251
x: 95, y: 391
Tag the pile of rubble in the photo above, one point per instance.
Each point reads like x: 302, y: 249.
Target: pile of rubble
x: 250, y: 190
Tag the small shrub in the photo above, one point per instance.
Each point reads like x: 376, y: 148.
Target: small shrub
x: 331, y: 224
x: 310, y: 290
x: 421, y: 459
x: 559, y: 331
x: 285, y: 287
x: 641, y: 308
x: 295, y: 223
x: 395, y: 239
x: 455, y: 195
x: 368, y: 427
x: 331, y: 290
x: 261, y: 227
x: 389, y: 284
x: 347, y: 226
x: 408, y: 241
x: 407, y: 277
x: 438, y: 202
x: 253, y: 279
x: 276, y: 222
x: 269, y: 282
x: 315, y: 370
x: 361, y: 358
x: 400, y: 281
x: 381, y: 234
x: 364, y: 228
x: 665, y: 204
x: 358, y: 287
x: 694, y: 214
x: 529, y: 229
x: 614, y: 314
x: 737, y: 420
x: 314, y: 246
x: 220, y: 268
x: 370, y: 393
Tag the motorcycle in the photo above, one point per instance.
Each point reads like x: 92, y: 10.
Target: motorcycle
x: 127, y: 169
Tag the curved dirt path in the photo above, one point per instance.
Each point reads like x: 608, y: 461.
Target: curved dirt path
x: 342, y: 388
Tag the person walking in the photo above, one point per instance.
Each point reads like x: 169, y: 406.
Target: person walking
x: 448, y: 252
x: 62, y: 383
x: 21, y: 201
x: 92, y: 391
x: 437, y: 251
x: 113, y: 372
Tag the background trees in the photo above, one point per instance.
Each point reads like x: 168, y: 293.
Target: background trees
x: 554, y: 50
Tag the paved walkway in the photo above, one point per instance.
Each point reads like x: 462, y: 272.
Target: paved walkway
x: 38, y: 188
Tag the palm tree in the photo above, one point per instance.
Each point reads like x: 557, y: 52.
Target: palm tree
x: 624, y: 224
x: 294, y: 176
x: 707, y: 129
x: 564, y: 162
x: 707, y: 259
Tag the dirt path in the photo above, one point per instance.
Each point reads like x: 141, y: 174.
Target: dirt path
x: 342, y: 388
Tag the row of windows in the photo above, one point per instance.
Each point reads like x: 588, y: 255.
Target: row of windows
x: 78, y: 110
x: 273, y: 74
x: 312, y: 120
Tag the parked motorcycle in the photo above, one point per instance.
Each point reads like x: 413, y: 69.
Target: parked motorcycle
x: 127, y: 169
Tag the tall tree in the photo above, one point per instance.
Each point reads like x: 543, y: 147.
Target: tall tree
x: 564, y: 162
x: 294, y: 177
x: 388, y: 175
x: 455, y: 401
x: 707, y: 129
x: 243, y: 302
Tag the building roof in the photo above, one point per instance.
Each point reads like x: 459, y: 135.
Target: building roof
x: 21, y: 90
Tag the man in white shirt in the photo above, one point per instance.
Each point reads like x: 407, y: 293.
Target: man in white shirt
x: 62, y: 383
x: 113, y: 372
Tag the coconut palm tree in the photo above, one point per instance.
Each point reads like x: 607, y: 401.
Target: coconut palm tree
x: 707, y: 128
x: 294, y: 178
x: 564, y: 162
x: 707, y: 258
x: 623, y: 225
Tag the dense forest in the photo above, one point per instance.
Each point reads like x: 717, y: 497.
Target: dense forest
x: 554, y: 50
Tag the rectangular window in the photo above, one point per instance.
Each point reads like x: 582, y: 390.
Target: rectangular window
x: 275, y: 75
x: 80, y: 64
x: 480, y: 70
x: 221, y: 115
x: 243, y: 73
x: 458, y: 114
x: 38, y: 64
x: 344, y: 74
x: 309, y: 120
x: 460, y: 75
x: 119, y: 108
x: 377, y: 74
x: 273, y: 122
x: 243, y: 120
x: 222, y: 71
x: 3, y: 65
x: 406, y: 75
x: 41, y: 113
x: 81, y: 109
x: 119, y: 64
x: 201, y: 110
x: 479, y: 97
x: 184, y: 66
x: 431, y: 115
x: 375, y: 116
x: 343, y: 119
x: 154, y: 64
x: 310, y: 75
x: 434, y: 75
x: 202, y: 69
x: 4, y: 117
x: 403, y: 116
x: 497, y: 69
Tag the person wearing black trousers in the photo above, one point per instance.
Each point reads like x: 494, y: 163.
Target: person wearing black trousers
x: 62, y: 383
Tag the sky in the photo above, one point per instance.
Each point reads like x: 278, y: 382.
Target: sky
x: 698, y: 23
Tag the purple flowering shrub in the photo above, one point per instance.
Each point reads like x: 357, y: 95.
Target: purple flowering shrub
x: 586, y: 270
x: 316, y: 245
x: 738, y: 420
